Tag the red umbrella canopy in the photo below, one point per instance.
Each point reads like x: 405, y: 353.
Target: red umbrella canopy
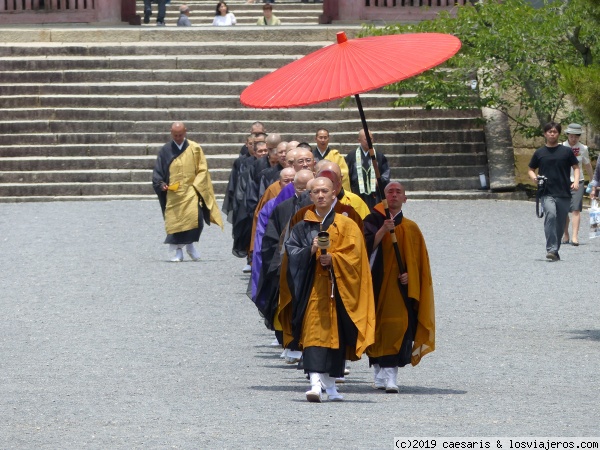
x: 350, y: 67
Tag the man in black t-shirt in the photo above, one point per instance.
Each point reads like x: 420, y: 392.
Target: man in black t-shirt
x: 554, y: 161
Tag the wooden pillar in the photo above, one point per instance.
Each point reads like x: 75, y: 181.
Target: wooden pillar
x: 330, y: 11
x: 128, y: 13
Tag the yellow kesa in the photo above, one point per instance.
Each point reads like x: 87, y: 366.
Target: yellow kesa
x: 391, y: 315
x: 189, y: 171
x: 353, y: 282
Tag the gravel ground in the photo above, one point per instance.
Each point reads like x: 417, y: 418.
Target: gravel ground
x: 104, y: 344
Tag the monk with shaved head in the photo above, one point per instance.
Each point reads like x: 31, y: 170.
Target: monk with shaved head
x: 185, y: 192
x: 330, y: 284
x: 333, y: 171
x: 363, y: 179
x: 405, y: 316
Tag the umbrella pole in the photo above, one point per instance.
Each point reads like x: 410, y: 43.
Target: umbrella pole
x: 379, y: 182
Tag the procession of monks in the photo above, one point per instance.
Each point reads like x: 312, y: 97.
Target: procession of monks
x: 333, y: 277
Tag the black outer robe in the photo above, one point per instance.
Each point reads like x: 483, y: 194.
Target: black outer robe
x: 372, y: 223
x: 244, y: 204
x: 228, y: 201
x: 267, y: 177
x: 268, y: 284
x: 384, y: 169
x: 300, y: 278
x: 166, y: 156
x: 245, y: 201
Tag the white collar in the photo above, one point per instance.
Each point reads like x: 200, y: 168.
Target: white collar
x: 182, y: 143
x: 332, y: 206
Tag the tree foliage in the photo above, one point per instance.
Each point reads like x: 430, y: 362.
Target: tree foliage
x: 513, y: 52
x: 583, y: 83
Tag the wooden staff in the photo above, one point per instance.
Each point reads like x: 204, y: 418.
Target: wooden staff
x: 379, y: 183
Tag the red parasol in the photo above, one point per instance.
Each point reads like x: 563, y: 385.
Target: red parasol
x: 351, y: 67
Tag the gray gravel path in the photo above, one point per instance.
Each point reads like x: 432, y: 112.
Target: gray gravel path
x: 104, y: 344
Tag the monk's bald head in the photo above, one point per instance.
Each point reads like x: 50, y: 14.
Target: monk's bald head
x: 334, y: 167
x: 393, y: 184
x: 304, y: 160
x: 320, y: 165
x: 301, y: 180
x: 362, y: 139
x: 336, y: 179
x: 281, y: 152
x: 395, y: 196
x: 286, y: 176
x: 178, y: 132
x: 290, y: 157
x: 322, y: 195
x: 273, y: 140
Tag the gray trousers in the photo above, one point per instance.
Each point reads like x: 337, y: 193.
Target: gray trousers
x: 556, y: 211
x: 162, y: 7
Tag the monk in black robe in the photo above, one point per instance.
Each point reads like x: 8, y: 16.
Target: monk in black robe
x: 405, y: 320
x: 182, y: 183
x: 332, y: 298
x: 245, y: 201
x: 362, y: 175
x: 267, y: 292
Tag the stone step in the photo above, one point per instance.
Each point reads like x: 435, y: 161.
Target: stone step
x: 58, y: 189
x: 108, y: 136
x: 246, y: 115
x: 81, y: 198
x: 447, y: 195
x: 158, y: 101
x: 77, y: 176
x: 236, y: 7
x: 147, y: 89
x: 135, y: 49
x: 142, y: 76
x: 439, y: 173
x: 82, y: 35
x: 145, y: 188
x: 240, y: 127
x: 222, y: 163
x: 216, y: 150
x: 151, y: 88
x: 145, y: 175
x: 172, y: 62
x: 444, y: 184
x: 249, y: 19
x: 205, y: 11
x: 470, y: 194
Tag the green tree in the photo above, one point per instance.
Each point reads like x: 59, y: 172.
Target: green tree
x: 512, y: 51
x: 583, y: 83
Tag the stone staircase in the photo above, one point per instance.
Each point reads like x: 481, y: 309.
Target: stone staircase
x: 203, y: 12
x: 85, y: 110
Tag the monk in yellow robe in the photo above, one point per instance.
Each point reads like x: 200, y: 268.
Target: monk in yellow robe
x: 182, y: 183
x: 344, y: 196
x: 324, y: 152
x: 405, y: 315
x: 331, y: 290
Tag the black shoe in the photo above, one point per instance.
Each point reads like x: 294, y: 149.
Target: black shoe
x: 552, y: 256
x: 147, y: 15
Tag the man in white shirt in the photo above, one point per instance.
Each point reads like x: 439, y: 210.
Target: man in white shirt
x: 573, y: 133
